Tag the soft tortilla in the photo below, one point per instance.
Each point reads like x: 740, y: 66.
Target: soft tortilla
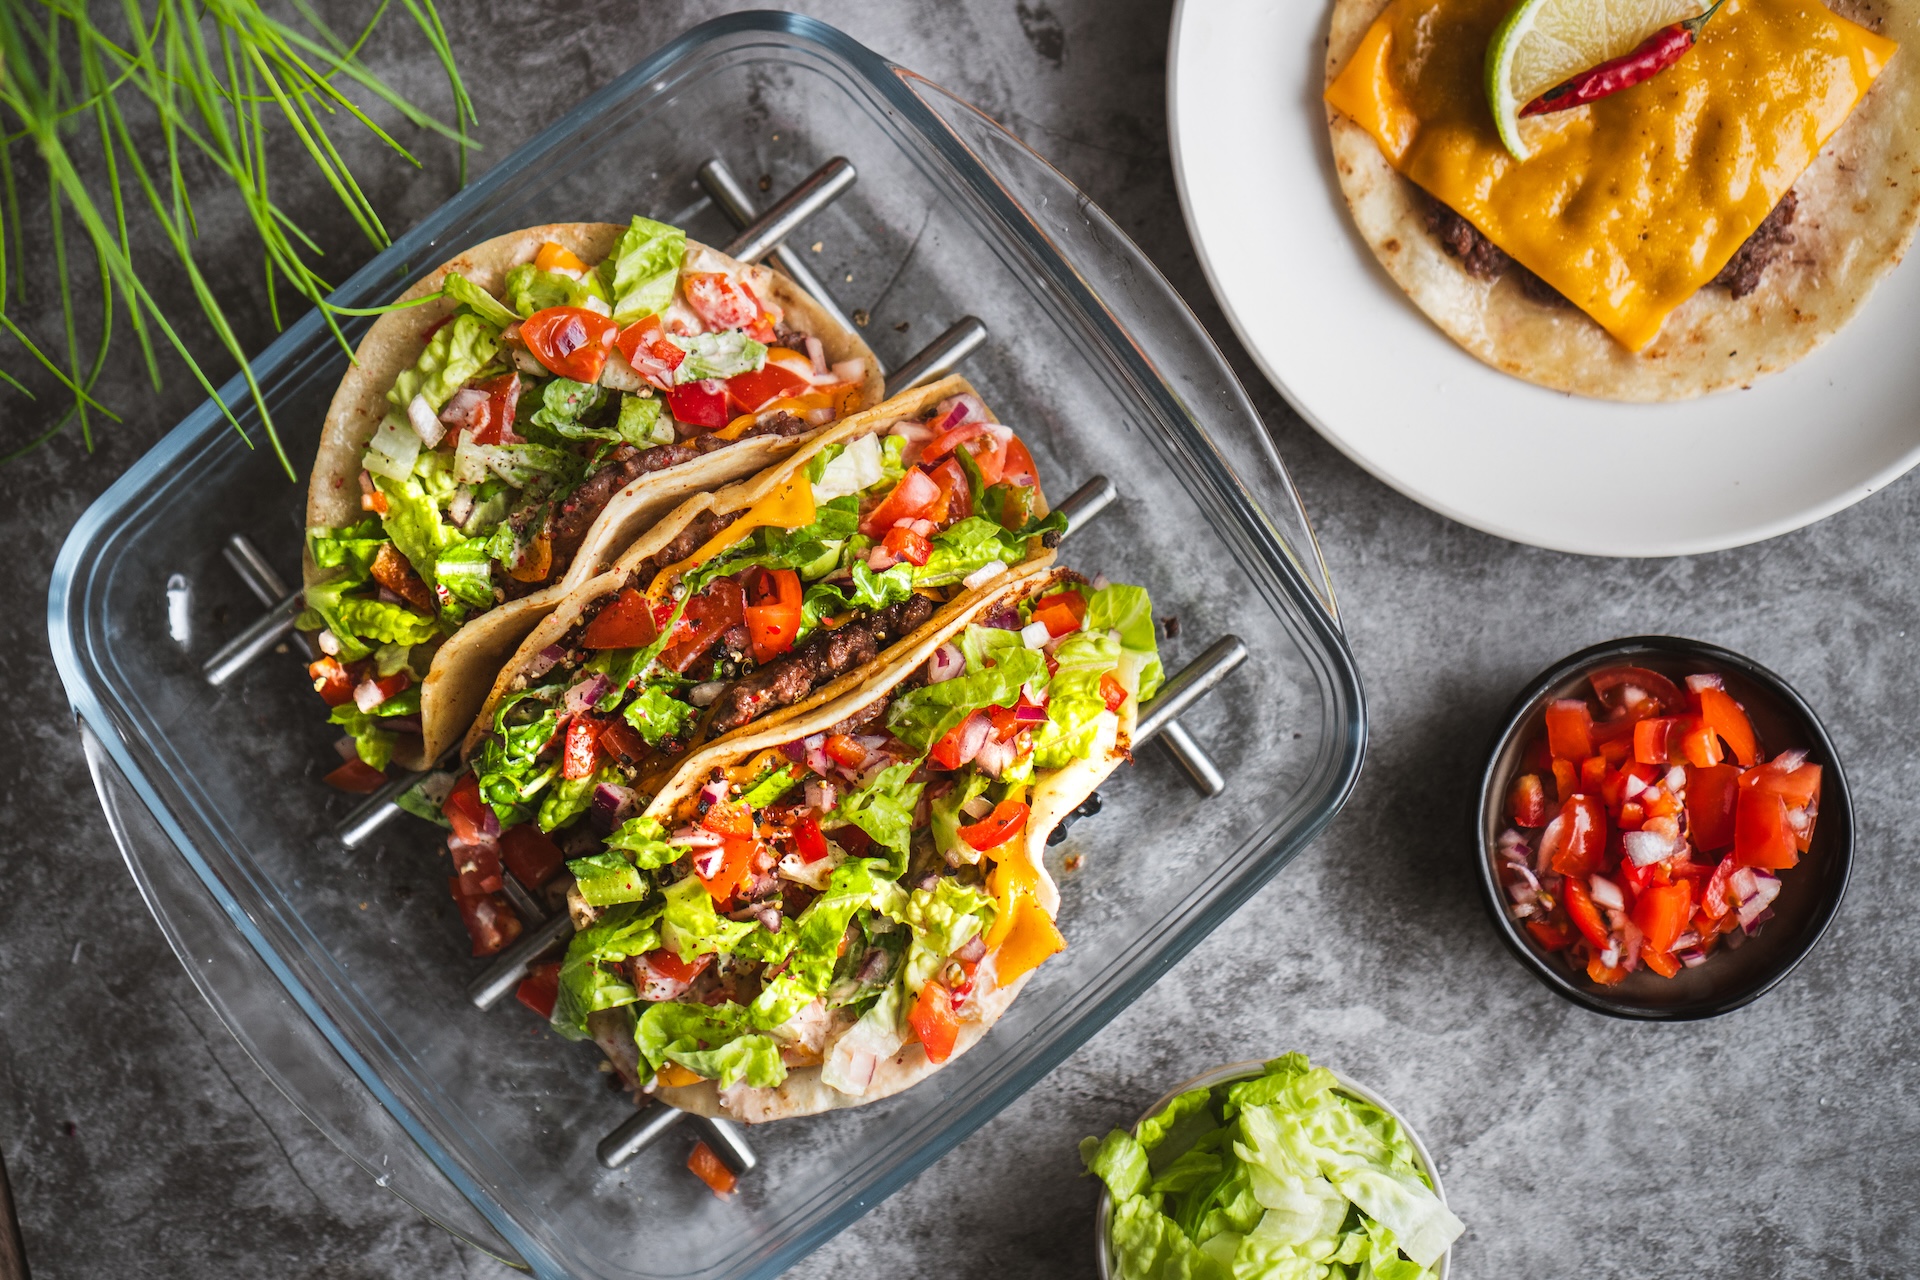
x: 1059, y: 793
x: 564, y: 616
x: 463, y: 668
x: 1859, y: 203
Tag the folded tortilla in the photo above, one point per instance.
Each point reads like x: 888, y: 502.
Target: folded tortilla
x: 463, y: 668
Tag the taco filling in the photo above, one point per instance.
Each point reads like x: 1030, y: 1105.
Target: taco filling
x: 832, y: 901
x: 516, y: 425
x: 1630, y: 204
x: 744, y: 613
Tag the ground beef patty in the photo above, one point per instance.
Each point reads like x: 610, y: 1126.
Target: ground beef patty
x: 791, y: 677
x: 1484, y: 260
x: 625, y: 464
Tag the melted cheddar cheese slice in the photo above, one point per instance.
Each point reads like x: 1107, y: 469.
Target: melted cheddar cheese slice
x: 1630, y: 205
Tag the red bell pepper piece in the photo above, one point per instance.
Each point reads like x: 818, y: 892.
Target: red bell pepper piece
x: 1112, y: 692
x: 754, y: 391
x: 1761, y: 837
x: 1569, y: 729
x: 464, y: 809
x: 1605, y: 975
x: 1566, y: 779
x: 1654, y: 740
x: 1698, y: 744
x: 933, y: 1023
x: 1728, y: 720
x: 1661, y: 913
x: 1661, y: 962
x: 582, y: 750
x: 946, y: 752
x: 540, y: 988
x: 1551, y: 934
x: 734, y: 869
x: 1593, y: 775
x: 625, y: 622
x: 808, y: 841
x: 622, y: 743
x: 700, y: 404
x: 903, y: 543
x: 998, y: 827
x: 1527, y: 801
x: 644, y: 344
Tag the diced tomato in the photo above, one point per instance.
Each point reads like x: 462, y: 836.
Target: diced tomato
x: 667, y: 962
x: 699, y: 404
x: 947, y: 442
x: 730, y: 819
x: 477, y: 868
x: 1661, y: 962
x: 570, y: 341
x: 707, y: 617
x: 1698, y: 744
x: 1566, y: 779
x: 1660, y: 695
x: 1569, y: 729
x: 465, y: 811
x: 622, y: 743
x: 909, y: 500
x: 1761, y: 836
x: 933, y: 1022
x: 1662, y: 913
x: 1593, y: 774
x: 1586, y: 836
x: 1527, y: 801
x: 491, y: 420
x: 1797, y: 786
x: 946, y: 752
x: 540, y: 988
x: 709, y: 1168
x: 902, y: 543
x: 490, y: 922
x: 626, y: 622
x: 773, y: 616
x: 1613, y: 740
x: 808, y: 841
x: 735, y: 867
x: 1006, y: 821
x: 1710, y: 798
x: 752, y: 392
x: 845, y: 751
x: 956, y: 497
x: 1655, y: 740
x: 552, y: 256
x: 1605, y: 975
x: 530, y: 855
x: 644, y: 344
x: 1635, y: 878
x: 357, y: 776
x: 853, y: 840
x: 1019, y: 469
x: 1551, y: 934
x: 332, y: 681
x: 1112, y: 692
x: 1713, y: 898
x: 582, y: 750
x: 1728, y: 720
x: 1059, y: 619
x: 719, y: 301
x: 1633, y: 816
x: 1585, y: 916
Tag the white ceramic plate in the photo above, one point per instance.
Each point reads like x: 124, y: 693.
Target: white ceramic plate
x: 1361, y: 363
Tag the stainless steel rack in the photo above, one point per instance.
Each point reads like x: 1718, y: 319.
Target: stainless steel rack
x: 761, y: 236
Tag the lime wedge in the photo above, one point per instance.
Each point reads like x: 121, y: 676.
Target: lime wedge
x: 1543, y: 42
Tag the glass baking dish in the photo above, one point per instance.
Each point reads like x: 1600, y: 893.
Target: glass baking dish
x: 342, y: 971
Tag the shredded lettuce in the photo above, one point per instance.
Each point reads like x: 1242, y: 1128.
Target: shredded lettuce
x: 718, y: 355
x: 563, y: 402
x: 413, y: 523
x: 373, y: 743
x: 976, y: 542
x: 605, y: 878
x: 529, y: 289
x: 568, y: 798
x: 641, y: 423
x: 641, y: 273
x: 947, y: 818
x: 478, y: 300
x: 681, y: 1034
x: 455, y: 354
x: 884, y: 809
x: 692, y: 927
x: 921, y: 717
x: 586, y: 987
x: 657, y: 715
x: 466, y: 571
x: 1280, y: 1176
x: 644, y: 841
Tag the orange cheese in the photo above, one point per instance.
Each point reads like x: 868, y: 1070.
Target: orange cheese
x: 790, y: 506
x: 1028, y: 938
x: 1630, y: 205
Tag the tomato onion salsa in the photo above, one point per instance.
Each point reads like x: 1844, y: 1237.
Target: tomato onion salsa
x: 1648, y: 826
x: 835, y: 899
x: 513, y: 429
x: 870, y: 537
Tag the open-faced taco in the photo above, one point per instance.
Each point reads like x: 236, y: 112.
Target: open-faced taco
x: 824, y: 911
x: 740, y: 608
x: 1713, y: 222
x: 500, y: 444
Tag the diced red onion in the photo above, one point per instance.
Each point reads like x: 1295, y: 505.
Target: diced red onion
x: 401, y: 724
x: 695, y: 838
x: 425, y: 424
x: 346, y: 747
x: 912, y: 432
x: 1646, y: 847
x: 583, y: 695
x: 850, y: 370
x: 1677, y: 779
x: 1611, y: 956
x: 1634, y: 786
x: 1766, y: 888
x: 925, y: 528
x: 880, y: 559
x: 1548, y: 839
x: 367, y: 695
x: 859, y: 1071
x: 795, y: 751
x: 819, y: 761
x: 1788, y: 761
x: 1527, y: 878
x: 994, y: 756
x: 1708, y: 680
x: 1751, y: 927
x: 818, y: 355
x: 707, y: 862
x: 1512, y: 846
x: 714, y: 792
x: 702, y: 695
x: 1692, y: 957
x: 1742, y: 885
x: 977, y: 808
x: 973, y: 951
x: 870, y: 742
x: 1635, y: 941
x: 946, y: 663
x: 461, y: 507
x: 1002, y: 434
x: 821, y: 795
x: 984, y: 574
x: 1030, y: 712
x: 544, y: 661
x: 957, y: 411
x: 329, y: 643
x: 1035, y: 635
x: 875, y: 766
x: 1003, y: 619
x: 1607, y: 894
x: 612, y: 805
x: 974, y: 732
x: 1688, y: 939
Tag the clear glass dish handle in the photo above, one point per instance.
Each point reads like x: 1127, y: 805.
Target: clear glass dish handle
x: 274, y: 1032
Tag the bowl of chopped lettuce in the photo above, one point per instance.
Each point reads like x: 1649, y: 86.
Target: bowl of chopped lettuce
x: 1263, y: 1170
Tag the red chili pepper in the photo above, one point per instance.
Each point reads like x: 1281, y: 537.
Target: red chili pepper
x: 1652, y: 56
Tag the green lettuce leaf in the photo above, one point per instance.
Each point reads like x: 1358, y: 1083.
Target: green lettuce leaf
x: 605, y: 878
x: 1074, y: 700
x: 818, y: 930
x: 1127, y: 609
x: 466, y: 571
x: 384, y: 622
x: 947, y: 818
x: 483, y: 304
x: 718, y: 355
x: 641, y: 423
x: 771, y: 788
x: 643, y: 270
x: 413, y: 523
x: 568, y: 798
x: 1117, y: 1160
x: 976, y: 542
x: 713, y: 1040
x: 884, y: 810
x: 586, y: 987
x: 656, y: 714
x: 352, y: 547
x: 529, y: 289
x: 563, y: 403
x: 373, y: 744
x: 691, y: 926
x: 921, y: 717
x: 455, y: 354
x: 644, y: 841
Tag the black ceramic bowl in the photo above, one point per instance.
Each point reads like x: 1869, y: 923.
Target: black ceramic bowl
x: 1810, y: 893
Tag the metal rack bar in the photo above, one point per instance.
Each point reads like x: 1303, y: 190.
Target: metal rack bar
x: 733, y: 200
x: 940, y: 357
x: 253, y: 569
x: 816, y: 191
x: 499, y: 979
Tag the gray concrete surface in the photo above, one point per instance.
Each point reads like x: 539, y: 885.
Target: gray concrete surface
x: 1779, y: 1141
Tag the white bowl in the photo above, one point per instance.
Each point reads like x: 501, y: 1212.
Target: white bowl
x: 1246, y: 1071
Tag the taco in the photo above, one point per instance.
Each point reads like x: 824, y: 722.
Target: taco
x: 740, y: 608
x: 500, y: 444
x: 1706, y: 226
x: 823, y: 912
